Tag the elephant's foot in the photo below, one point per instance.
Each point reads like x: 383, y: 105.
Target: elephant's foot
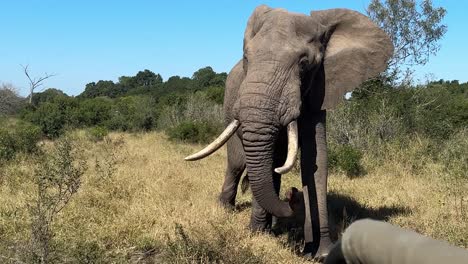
x: 259, y: 227
x: 228, y: 204
x: 322, y: 251
x: 260, y: 221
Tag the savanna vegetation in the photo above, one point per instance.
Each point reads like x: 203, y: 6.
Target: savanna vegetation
x: 100, y: 177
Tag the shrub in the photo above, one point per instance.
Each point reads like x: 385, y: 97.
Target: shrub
x: 27, y: 136
x: 7, y: 145
x: 215, y: 94
x: 97, y: 133
x: 16, y: 137
x: 133, y: 113
x: 346, y: 158
x: 194, y: 132
x: 57, y: 178
x: 454, y: 156
x: 93, y: 112
x: 54, y: 116
x: 196, y: 111
x: 51, y: 120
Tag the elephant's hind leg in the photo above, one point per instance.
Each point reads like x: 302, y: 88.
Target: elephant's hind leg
x: 235, y: 168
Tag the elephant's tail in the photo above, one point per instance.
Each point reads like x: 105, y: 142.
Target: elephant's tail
x: 245, y: 184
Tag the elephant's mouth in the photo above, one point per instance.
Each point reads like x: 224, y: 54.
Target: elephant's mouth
x: 293, y: 145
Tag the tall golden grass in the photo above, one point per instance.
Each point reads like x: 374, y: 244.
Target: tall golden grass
x: 140, y: 202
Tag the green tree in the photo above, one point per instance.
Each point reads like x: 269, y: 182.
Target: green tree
x: 47, y: 96
x: 415, y: 30
x: 101, y: 88
x: 143, y: 82
x: 177, y: 84
x: 147, y: 78
x: 206, y: 77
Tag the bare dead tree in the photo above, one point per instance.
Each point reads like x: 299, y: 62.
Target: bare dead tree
x: 35, y: 82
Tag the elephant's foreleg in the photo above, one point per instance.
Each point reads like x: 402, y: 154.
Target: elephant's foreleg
x: 234, y: 170
x: 314, y: 173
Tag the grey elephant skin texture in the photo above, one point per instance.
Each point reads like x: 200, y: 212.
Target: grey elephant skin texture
x: 373, y: 242
x: 294, y: 68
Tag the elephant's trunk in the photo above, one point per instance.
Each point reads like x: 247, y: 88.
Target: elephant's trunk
x: 258, y: 143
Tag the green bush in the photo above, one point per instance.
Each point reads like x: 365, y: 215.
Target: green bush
x: 57, y: 178
x: 97, y: 133
x: 7, y: 145
x: 51, y: 120
x: 16, y: 137
x: 194, y: 132
x: 453, y: 154
x: 132, y: 113
x: 215, y: 94
x: 93, y: 112
x: 27, y: 136
x: 347, y: 158
x: 54, y: 116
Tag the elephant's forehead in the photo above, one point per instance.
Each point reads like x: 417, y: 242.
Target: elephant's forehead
x: 279, y: 21
x: 283, y: 25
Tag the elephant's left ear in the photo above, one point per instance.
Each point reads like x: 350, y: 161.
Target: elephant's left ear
x: 356, y: 50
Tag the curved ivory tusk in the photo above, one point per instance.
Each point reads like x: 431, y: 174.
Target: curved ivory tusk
x: 292, y: 149
x: 217, y: 143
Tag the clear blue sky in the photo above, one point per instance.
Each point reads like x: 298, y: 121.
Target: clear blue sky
x: 86, y: 41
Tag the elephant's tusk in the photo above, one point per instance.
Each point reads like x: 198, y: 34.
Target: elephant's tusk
x: 292, y: 149
x: 217, y: 143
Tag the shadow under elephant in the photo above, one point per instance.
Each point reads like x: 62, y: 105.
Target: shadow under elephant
x: 343, y: 210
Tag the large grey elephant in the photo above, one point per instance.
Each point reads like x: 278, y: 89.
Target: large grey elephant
x: 295, y: 67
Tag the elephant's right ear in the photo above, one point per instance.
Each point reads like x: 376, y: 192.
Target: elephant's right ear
x: 356, y: 49
x: 256, y: 21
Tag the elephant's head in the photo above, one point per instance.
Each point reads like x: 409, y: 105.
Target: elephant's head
x: 294, y: 62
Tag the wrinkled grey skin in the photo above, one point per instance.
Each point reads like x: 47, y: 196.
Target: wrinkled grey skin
x: 295, y: 67
x: 374, y: 242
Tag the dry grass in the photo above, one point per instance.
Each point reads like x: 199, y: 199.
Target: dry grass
x: 155, y: 208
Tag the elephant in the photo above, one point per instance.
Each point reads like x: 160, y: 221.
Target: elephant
x: 294, y: 68
x: 374, y: 242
